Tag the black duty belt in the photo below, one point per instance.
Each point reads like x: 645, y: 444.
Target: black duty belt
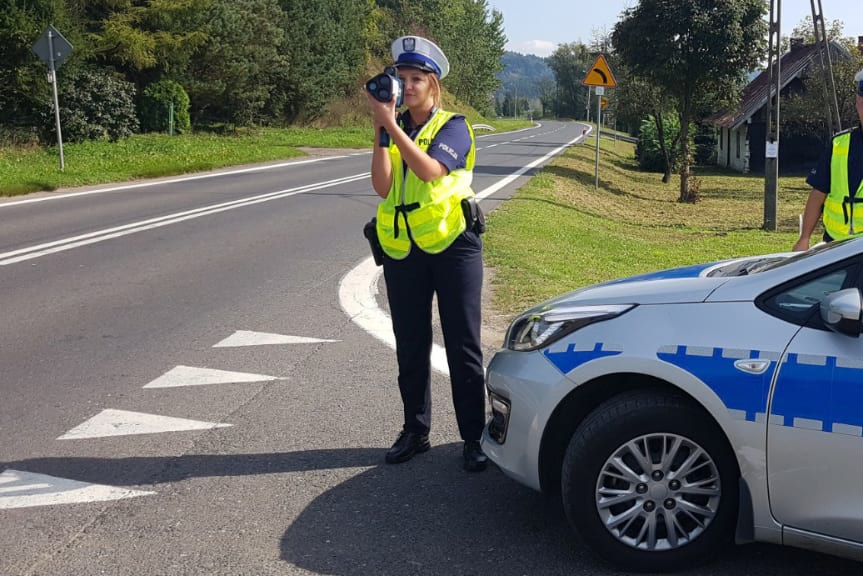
x: 402, y: 209
x: 849, y: 218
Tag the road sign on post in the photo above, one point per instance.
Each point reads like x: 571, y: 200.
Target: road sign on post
x: 600, y: 74
x: 53, y: 49
x: 601, y: 77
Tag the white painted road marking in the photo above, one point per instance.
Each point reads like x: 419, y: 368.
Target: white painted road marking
x: 192, y: 376
x: 124, y: 423
x: 32, y: 252
x: 357, y: 292
x: 248, y: 338
x: 26, y: 489
x: 170, y: 181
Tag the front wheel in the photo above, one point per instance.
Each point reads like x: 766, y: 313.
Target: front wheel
x: 650, y: 483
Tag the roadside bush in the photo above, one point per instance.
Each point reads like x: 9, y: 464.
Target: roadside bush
x: 648, y: 151
x: 649, y: 154
x: 94, y: 104
x: 155, y: 107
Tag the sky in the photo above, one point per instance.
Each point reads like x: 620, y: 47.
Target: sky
x: 538, y: 26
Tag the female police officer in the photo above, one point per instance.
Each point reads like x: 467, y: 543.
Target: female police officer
x: 431, y: 247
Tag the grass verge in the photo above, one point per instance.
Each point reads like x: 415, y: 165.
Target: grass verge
x: 559, y: 233
x: 33, y: 169
x: 24, y: 170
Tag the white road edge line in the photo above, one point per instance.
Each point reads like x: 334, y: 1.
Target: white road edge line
x: 170, y: 181
x: 37, y: 251
x: 358, y: 288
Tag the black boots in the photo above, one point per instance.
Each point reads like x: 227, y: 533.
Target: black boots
x: 407, y: 446
x: 475, y: 459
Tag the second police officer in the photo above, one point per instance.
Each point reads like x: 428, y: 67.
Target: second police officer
x: 431, y: 246
x: 837, y: 184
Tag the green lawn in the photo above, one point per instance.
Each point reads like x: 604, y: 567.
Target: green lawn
x: 24, y: 170
x: 559, y: 233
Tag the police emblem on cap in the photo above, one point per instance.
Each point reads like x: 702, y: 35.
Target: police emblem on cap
x: 409, y: 44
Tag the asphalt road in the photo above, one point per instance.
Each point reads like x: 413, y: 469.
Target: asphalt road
x: 140, y: 437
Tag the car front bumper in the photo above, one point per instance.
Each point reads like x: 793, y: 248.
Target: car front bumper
x: 528, y: 385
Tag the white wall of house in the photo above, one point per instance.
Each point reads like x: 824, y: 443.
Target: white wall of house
x: 732, y: 148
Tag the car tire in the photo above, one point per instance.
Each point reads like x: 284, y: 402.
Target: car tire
x: 608, y: 505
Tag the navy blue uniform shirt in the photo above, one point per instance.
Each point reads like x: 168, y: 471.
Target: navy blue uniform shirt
x: 450, y: 146
x: 819, y: 178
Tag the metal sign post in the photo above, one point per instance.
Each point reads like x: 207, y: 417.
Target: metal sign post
x: 600, y: 76
x: 599, y: 92
x: 53, y: 49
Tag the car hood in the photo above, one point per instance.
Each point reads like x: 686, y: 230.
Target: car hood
x: 676, y: 285
x: 648, y: 291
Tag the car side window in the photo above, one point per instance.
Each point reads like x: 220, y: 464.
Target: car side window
x: 799, y: 301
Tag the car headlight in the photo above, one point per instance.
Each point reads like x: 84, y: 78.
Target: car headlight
x: 537, y: 329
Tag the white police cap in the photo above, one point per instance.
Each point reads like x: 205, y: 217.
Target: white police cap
x: 859, y: 77
x: 417, y: 52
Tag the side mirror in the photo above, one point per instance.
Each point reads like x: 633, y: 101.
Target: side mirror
x: 842, y: 311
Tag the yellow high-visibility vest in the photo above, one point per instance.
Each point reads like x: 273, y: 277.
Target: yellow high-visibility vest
x: 839, y: 204
x: 428, y: 212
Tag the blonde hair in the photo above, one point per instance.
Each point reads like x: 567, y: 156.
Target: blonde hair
x: 435, y: 88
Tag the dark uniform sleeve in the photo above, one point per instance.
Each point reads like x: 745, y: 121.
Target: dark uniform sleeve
x: 819, y: 177
x: 855, y: 160
x: 452, y: 143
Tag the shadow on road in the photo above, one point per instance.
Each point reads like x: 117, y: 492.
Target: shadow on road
x: 426, y: 516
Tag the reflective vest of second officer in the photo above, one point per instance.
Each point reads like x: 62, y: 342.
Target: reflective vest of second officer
x: 843, y: 207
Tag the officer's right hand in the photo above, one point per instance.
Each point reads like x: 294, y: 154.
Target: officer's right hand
x: 384, y: 113
x: 801, y: 245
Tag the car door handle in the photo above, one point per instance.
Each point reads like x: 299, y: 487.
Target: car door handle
x: 752, y: 365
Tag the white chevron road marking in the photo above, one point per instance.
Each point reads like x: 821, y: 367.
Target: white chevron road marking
x: 124, y: 423
x: 27, y: 489
x: 248, y: 338
x: 192, y: 376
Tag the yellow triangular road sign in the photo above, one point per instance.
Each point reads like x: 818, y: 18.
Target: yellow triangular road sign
x: 600, y: 74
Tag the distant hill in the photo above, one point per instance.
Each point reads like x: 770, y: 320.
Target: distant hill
x: 522, y: 71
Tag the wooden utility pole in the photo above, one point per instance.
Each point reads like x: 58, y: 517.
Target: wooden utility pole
x: 771, y: 152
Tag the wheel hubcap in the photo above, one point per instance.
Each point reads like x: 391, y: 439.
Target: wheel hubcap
x: 658, y: 492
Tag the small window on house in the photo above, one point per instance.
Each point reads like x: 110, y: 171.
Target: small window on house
x: 738, y: 143
x: 722, y: 138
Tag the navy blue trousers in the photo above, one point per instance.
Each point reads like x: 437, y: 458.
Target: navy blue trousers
x: 455, y: 275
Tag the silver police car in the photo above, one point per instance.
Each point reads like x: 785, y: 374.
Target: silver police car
x: 677, y: 411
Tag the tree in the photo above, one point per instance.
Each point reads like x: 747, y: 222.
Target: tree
x: 569, y: 64
x: 696, y: 52
x: 145, y: 39
x: 547, y: 96
x: 242, y: 68
x: 637, y: 100
x: 474, y: 42
x: 324, y: 49
x: 803, y: 113
x: 24, y: 92
x: 805, y: 30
